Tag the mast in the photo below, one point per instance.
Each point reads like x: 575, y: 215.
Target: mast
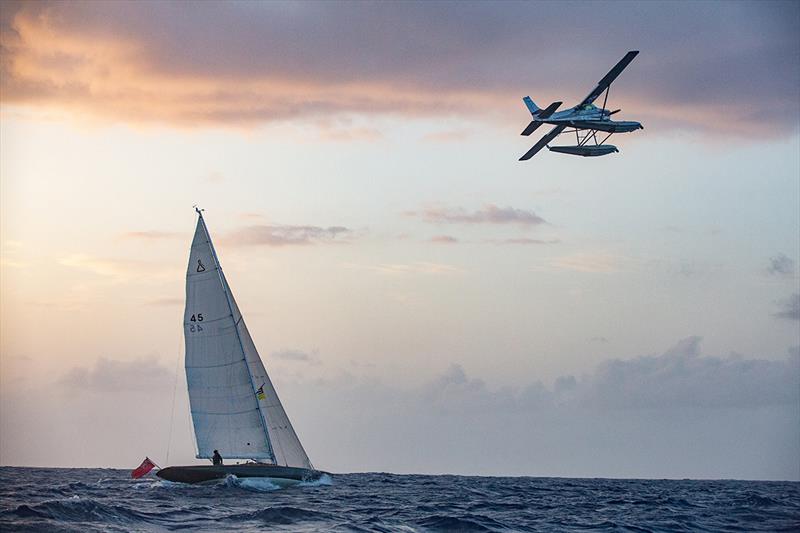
x: 225, y: 289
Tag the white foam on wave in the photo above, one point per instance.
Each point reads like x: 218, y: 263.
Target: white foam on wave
x: 159, y: 483
x: 267, y: 484
x: 154, y: 483
x: 258, y: 484
x: 324, y: 480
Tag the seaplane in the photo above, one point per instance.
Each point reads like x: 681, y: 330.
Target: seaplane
x: 585, y: 120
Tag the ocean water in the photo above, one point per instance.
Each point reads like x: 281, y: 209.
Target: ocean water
x: 41, y: 499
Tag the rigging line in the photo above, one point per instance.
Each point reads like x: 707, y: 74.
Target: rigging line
x: 278, y: 438
x: 280, y: 441
x: 174, y: 394
x: 287, y: 425
x: 298, y: 441
x: 192, y: 436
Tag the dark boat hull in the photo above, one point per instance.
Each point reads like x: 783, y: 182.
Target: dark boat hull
x: 207, y: 473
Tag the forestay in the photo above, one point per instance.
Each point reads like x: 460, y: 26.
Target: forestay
x: 235, y: 408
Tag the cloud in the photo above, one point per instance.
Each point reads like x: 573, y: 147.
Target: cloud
x: 113, y: 376
x: 682, y: 377
x: 344, y: 130
x: 251, y: 216
x: 679, y: 377
x: 109, y: 412
x: 281, y: 235
x: 297, y: 355
x: 152, y: 235
x: 449, y: 239
x: 214, y: 177
x: 599, y: 262
x: 789, y: 308
x: 729, y: 69
x: 112, y: 268
x: 12, y: 263
x: 118, y: 270
x: 448, y: 136
x: 523, y: 241
x: 625, y: 418
x: 781, y: 265
x: 672, y: 229
x: 166, y: 302
x: 418, y: 267
x: 489, y: 214
x: 454, y: 391
x: 9, y: 254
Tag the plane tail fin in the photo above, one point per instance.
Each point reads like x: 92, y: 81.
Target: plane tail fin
x: 533, y: 108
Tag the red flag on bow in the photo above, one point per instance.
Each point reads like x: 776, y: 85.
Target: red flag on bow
x: 146, y: 466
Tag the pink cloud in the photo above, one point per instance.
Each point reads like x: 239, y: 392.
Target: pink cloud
x: 488, y: 214
x: 732, y: 69
x: 444, y: 239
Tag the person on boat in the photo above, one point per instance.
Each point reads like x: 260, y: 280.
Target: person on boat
x: 216, y: 459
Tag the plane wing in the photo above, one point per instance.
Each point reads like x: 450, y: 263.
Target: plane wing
x: 555, y: 132
x: 603, y: 84
x: 543, y: 114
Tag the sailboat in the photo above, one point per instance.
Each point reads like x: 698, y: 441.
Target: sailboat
x: 235, y: 409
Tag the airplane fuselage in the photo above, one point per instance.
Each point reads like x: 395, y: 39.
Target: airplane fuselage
x: 590, y: 118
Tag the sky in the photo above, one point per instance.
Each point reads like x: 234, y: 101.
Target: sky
x: 423, y: 301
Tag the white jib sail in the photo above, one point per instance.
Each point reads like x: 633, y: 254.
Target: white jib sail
x: 235, y: 408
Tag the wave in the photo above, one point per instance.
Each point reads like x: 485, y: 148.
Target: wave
x: 75, y: 509
x: 324, y: 481
x: 101, y: 500
x: 258, y: 484
x: 281, y: 515
x: 455, y: 523
x: 253, y: 484
x: 265, y: 484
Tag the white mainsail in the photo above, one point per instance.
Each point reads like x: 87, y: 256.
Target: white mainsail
x: 235, y: 408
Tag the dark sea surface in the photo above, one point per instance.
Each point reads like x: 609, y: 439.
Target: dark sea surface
x: 42, y: 499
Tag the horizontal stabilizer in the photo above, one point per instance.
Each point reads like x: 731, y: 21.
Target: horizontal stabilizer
x: 555, y: 132
x: 549, y: 110
x: 530, y: 128
x: 540, y: 115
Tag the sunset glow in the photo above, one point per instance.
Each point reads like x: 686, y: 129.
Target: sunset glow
x: 401, y: 272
